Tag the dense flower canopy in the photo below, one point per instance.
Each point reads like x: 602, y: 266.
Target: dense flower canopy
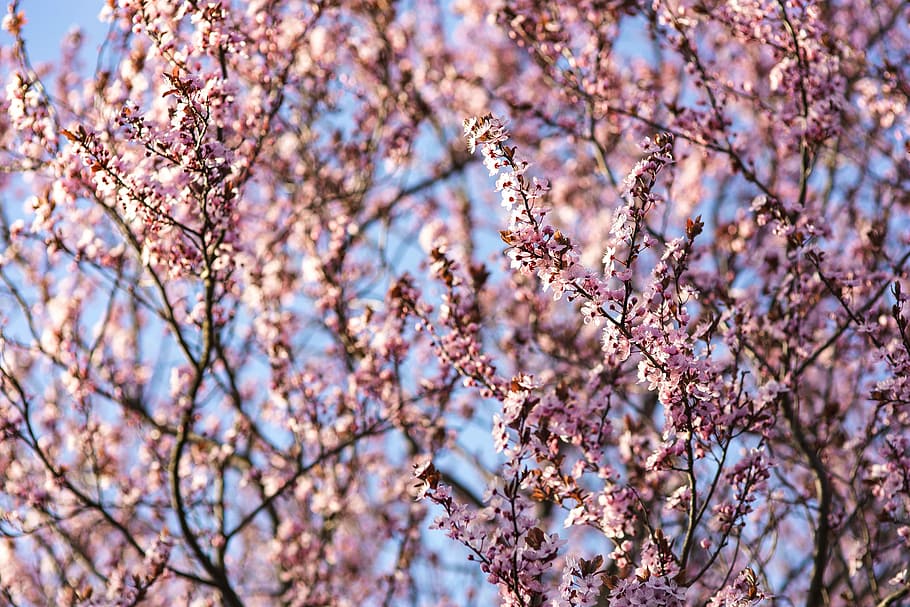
x: 538, y: 303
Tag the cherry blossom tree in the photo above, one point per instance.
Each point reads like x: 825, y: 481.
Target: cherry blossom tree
x: 271, y: 334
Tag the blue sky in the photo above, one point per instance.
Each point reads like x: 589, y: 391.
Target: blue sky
x: 49, y: 20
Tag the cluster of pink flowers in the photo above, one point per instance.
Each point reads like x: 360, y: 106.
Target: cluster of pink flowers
x: 743, y: 592
x: 250, y: 275
x: 502, y: 537
x: 651, y: 590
